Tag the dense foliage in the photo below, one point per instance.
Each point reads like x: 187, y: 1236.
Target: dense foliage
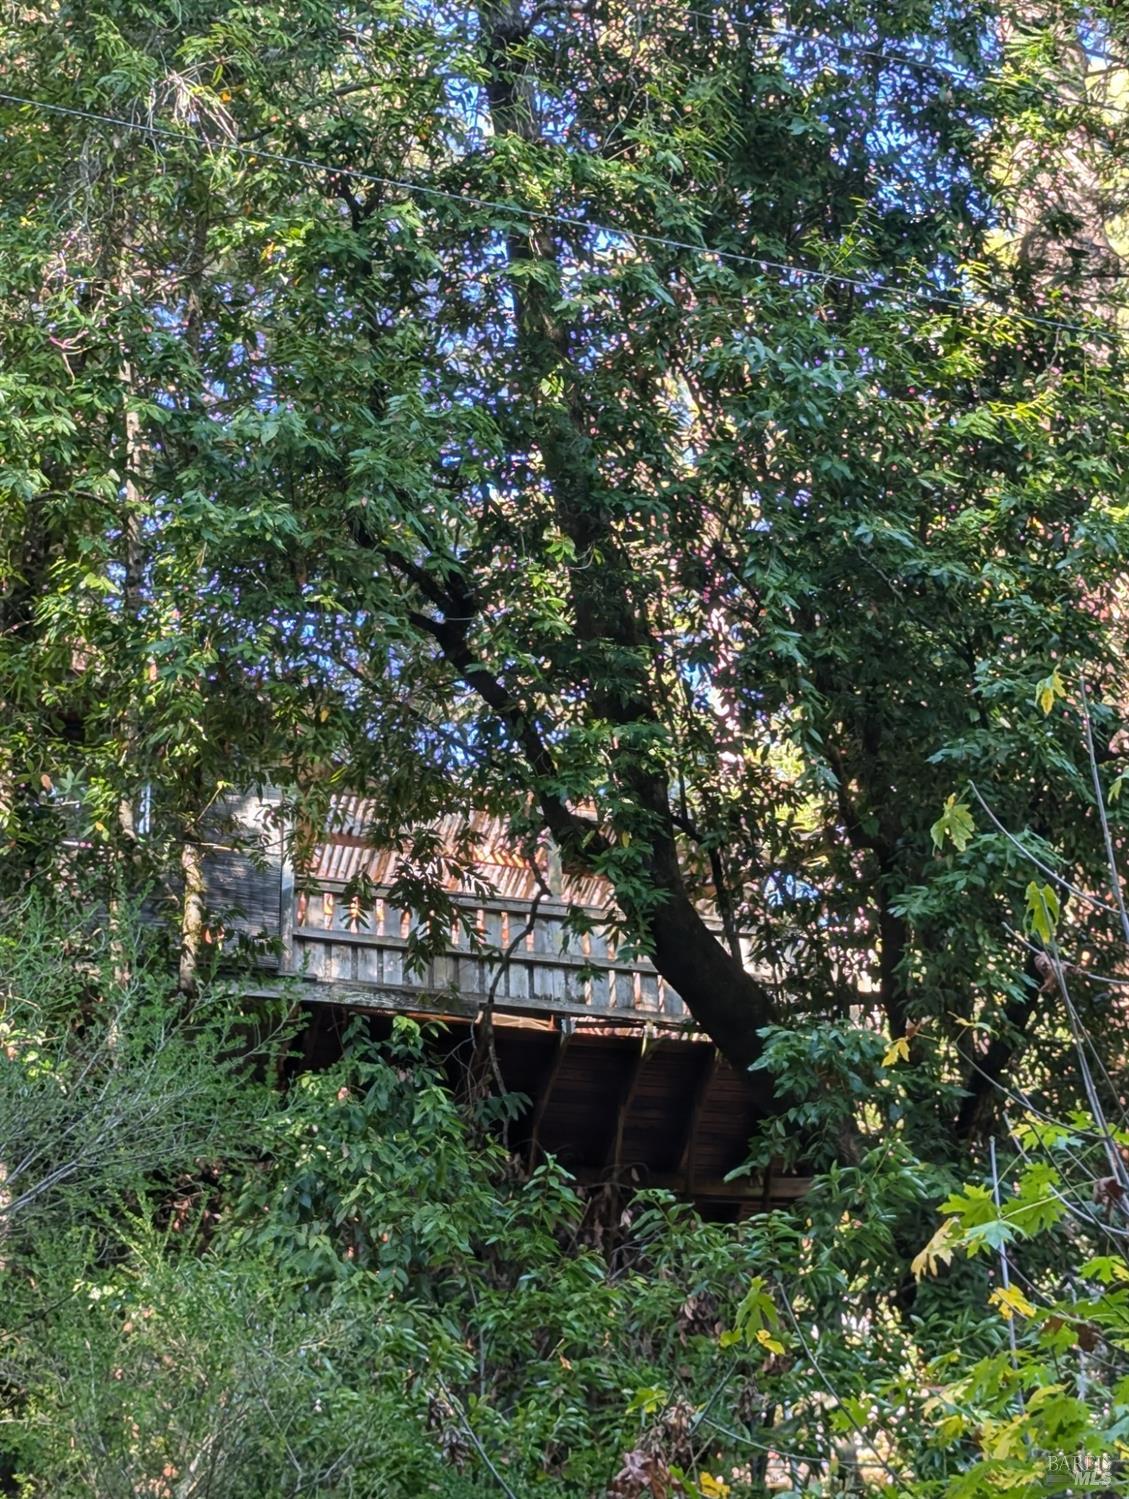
x: 462, y: 476
x: 696, y: 435
x: 345, y: 1288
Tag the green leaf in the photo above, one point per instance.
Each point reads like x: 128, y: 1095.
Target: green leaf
x: 1036, y: 1205
x: 995, y: 1233
x: 955, y: 823
x: 1042, y: 910
x: 757, y: 1316
x: 646, y: 1401
x: 973, y: 1206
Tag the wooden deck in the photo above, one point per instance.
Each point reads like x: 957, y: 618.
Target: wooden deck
x: 332, y: 941
x: 622, y: 1089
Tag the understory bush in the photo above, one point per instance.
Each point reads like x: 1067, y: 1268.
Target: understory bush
x: 217, y: 1285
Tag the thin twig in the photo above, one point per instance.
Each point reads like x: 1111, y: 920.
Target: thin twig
x: 1060, y: 970
x: 1099, y: 798
x: 470, y: 1432
x: 1113, y: 1155
x: 1046, y: 869
x: 1086, y: 973
x: 1072, y: 1209
x: 1005, y: 1277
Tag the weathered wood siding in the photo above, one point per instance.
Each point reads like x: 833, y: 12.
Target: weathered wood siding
x: 243, y: 864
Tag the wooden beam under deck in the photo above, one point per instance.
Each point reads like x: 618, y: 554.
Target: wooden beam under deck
x: 634, y: 1077
x: 615, y: 1106
x: 710, y: 1065
x: 544, y: 1096
x: 424, y: 999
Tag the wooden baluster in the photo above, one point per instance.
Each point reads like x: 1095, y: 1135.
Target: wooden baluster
x: 600, y: 991
x: 493, y: 923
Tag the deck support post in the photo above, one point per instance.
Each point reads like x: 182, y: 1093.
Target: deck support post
x: 686, y: 1161
x: 564, y: 1036
x: 647, y: 1045
x: 285, y: 903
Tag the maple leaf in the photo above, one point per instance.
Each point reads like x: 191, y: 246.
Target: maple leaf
x: 1009, y: 1300
x: 897, y: 1051
x: 1049, y: 690
x: 939, y: 1251
x: 955, y: 822
x: 1042, y: 910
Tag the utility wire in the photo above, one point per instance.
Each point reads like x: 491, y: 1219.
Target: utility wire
x: 818, y: 1463
x: 256, y: 154
x: 896, y: 1478
x: 1094, y: 1136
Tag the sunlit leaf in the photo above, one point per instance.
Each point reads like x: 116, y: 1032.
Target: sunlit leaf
x: 955, y: 824
x: 1009, y: 1300
x: 713, y: 1488
x: 1049, y: 690
x: 939, y: 1251
x: 1042, y: 910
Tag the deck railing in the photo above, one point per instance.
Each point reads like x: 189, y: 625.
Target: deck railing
x: 339, y: 944
x: 336, y: 940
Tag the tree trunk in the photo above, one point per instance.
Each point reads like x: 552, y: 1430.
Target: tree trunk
x: 728, y: 1003
x: 192, y: 917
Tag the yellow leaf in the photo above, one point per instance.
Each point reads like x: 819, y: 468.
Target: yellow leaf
x: 766, y: 1340
x: 1048, y: 690
x: 970, y: 1025
x: 713, y: 1488
x: 1003, y: 1439
x: 1044, y: 1394
x: 939, y: 1250
x: 898, y: 1051
x: 1009, y: 1300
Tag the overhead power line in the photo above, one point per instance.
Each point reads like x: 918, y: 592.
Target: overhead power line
x: 922, y: 296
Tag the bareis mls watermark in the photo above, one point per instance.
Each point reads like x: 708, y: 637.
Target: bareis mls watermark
x: 1086, y: 1467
